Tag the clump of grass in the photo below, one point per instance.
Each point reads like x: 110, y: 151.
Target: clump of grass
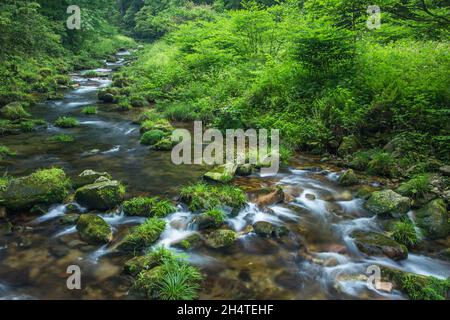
x: 217, y: 214
x: 143, y: 235
x: 90, y: 110
x: 202, y: 196
x: 405, y: 233
x: 417, y: 187
x: 158, y: 124
x: 148, y: 207
x: 171, y: 278
x: 66, y: 122
x: 152, y: 137
x: 62, y: 138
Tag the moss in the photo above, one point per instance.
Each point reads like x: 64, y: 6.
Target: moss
x: 405, y: 233
x: 89, y: 177
x: 433, y: 219
x: 192, y: 241
x: 165, y: 144
x: 348, y: 145
x: 156, y: 124
x: 93, y: 229
x: 91, y: 110
x: 42, y: 187
x: 418, y: 287
x: 148, y: 207
x: 382, y: 163
x: 30, y: 125
x: 221, y: 238
x: 203, y: 196
x: 109, y: 95
x: 14, y: 111
x: 62, y: 138
x: 102, y: 195
x: 416, y: 187
x: 143, y: 236
x: 146, y: 262
x: 138, y: 101
x: 152, y: 137
x: 387, y: 202
x: 217, y: 214
x: 66, y: 122
x: 361, y: 160
x: 348, y: 178
x: 124, y: 105
x: 377, y: 244
x: 151, y: 115
x: 224, y: 173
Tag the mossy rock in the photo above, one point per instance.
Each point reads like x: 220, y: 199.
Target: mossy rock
x: 42, y: 187
x: 142, y: 236
x: 220, y: 238
x: 109, y: 95
x: 364, y: 192
x: 434, y: 219
x: 417, y: 287
x: 147, y: 282
x: 377, y: 244
x: 69, y: 219
x: 165, y: 144
x: 14, y: 111
x: 93, y: 229
x: 387, y: 202
x: 245, y: 170
x: 209, y: 220
x: 348, y: 178
x: 141, y: 263
x: 156, y: 124
x: 349, y: 145
x: 224, y: 173
x: 266, y: 229
x: 101, y: 195
x: 152, y: 137
x: 89, y: 177
x: 202, y: 196
x: 191, y: 242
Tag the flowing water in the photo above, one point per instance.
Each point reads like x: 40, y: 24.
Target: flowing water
x: 318, y: 260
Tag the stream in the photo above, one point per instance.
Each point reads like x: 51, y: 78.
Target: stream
x: 318, y: 260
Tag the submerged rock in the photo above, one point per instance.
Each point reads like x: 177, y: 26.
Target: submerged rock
x: 42, y: 187
x: 274, y: 197
x: 377, y: 244
x: 387, y: 202
x: 192, y: 241
x: 433, y: 219
x: 101, y: 195
x: 93, y: 229
x: 267, y: 230
x: 348, y: 178
x: 89, y: 177
x: 221, y: 238
x: 224, y: 173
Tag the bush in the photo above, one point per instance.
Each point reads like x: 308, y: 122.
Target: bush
x: 66, y: 122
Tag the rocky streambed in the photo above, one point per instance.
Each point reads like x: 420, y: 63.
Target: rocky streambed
x: 309, y: 232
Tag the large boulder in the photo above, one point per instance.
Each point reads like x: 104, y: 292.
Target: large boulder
x: 42, y: 187
x: 103, y: 195
x: 224, y: 173
x: 267, y: 230
x: 377, y: 244
x: 433, y: 219
x: 220, y: 238
x: 387, y: 202
x: 348, y: 178
x: 89, y: 177
x: 93, y: 229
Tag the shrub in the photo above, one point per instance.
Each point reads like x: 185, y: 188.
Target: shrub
x: 66, y: 122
